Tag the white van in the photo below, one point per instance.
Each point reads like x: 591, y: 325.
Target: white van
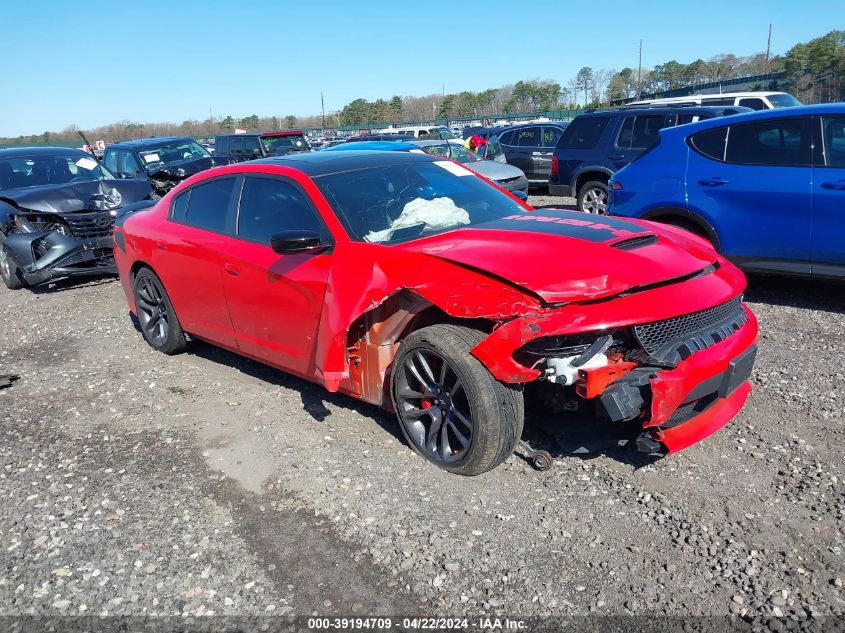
x: 419, y: 130
x: 753, y: 100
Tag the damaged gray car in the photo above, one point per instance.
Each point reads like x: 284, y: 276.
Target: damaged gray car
x: 57, y: 209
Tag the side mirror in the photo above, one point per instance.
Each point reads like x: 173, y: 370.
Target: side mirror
x: 521, y: 195
x: 288, y: 242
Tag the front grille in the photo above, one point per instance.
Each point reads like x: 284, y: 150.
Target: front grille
x: 101, y: 256
x: 689, y: 333
x: 506, y: 181
x: 89, y: 225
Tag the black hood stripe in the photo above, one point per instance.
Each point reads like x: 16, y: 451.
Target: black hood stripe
x: 566, y: 224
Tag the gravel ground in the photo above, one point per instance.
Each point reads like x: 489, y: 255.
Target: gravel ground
x: 136, y: 483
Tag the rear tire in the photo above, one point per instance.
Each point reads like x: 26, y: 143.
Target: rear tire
x: 9, y: 269
x: 156, y: 316
x: 439, y: 389
x: 592, y: 197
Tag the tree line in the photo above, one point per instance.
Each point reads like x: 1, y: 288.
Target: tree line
x: 814, y: 71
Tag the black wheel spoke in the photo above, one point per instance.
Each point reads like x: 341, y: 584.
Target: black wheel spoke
x: 424, y: 391
x: 462, y: 419
x: 463, y: 439
x: 434, y: 430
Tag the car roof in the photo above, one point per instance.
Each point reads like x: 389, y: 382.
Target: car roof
x: 13, y: 152
x: 143, y: 143
x: 392, y: 146
x: 627, y: 111
x: 758, y: 115
x: 321, y: 163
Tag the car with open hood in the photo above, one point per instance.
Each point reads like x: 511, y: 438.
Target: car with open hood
x: 57, y: 208
x: 404, y: 280
x: 164, y: 160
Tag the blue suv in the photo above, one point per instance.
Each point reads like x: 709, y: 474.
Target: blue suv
x: 767, y: 188
x: 600, y: 142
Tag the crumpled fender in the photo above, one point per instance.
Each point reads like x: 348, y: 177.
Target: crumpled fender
x: 58, y: 247
x: 371, y: 275
x: 663, y: 302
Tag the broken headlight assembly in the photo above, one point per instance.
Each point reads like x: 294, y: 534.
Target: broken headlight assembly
x: 588, y: 362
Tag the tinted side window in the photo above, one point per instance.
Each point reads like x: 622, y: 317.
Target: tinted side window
x: 551, y: 135
x: 833, y: 135
x: 209, y: 204
x: 529, y: 137
x: 252, y: 147
x: 110, y: 161
x: 583, y: 133
x: 771, y: 142
x: 130, y: 164
x: 269, y: 206
x: 711, y: 143
x: 507, y: 138
x: 180, y: 206
x: 723, y: 101
x: 646, y: 130
x: 754, y: 103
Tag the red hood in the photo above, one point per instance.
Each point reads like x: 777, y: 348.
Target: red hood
x: 566, y: 256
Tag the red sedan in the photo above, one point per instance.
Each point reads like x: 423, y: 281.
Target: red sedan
x: 407, y: 281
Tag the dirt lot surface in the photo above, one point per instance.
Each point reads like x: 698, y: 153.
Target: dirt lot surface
x: 137, y: 483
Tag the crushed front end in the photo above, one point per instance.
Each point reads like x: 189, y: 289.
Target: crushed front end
x: 680, y: 371
x: 48, y: 245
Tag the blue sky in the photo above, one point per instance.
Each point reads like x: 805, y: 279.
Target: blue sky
x: 93, y: 62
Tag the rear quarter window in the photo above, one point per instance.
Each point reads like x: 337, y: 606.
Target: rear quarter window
x: 710, y: 143
x: 583, y: 133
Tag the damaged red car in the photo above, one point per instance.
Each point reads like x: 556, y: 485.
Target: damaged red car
x: 409, y: 282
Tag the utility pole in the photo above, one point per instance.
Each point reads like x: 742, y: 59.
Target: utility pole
x: 322, y: 116
x: 640, y: 74
x: 768, y: 48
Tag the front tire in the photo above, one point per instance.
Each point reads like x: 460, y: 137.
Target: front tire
x: 592, y: 198
x: 9, y: 270
x: 452, y: 411
x: 156, y: 316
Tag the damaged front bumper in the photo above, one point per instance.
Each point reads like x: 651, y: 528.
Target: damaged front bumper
x: 45, y: 255
x: 690, y: 387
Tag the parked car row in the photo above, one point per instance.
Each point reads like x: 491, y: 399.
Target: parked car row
x: 389, y: 271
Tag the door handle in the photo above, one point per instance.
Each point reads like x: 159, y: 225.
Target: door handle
x: 713, y: 182
x: 161, y: 246
x: 617, y: 157
x: 231, y: 269
x: 838, y: 185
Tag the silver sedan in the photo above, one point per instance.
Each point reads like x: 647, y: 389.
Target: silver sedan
x: 506, y: 176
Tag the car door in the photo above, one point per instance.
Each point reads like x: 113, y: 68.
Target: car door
x: 543, y: 159
x: 275, y: 301
x: 752, y: 183
x: 188, y: 258
x: 527, y: 151
x: 826, y: 245
x: 636, y: 134
x: 130, y: 166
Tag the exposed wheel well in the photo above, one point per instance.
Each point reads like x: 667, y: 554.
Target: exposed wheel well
x: 138, y: 266
x: 587, y: 176
x: 374, y: 337
x: 684, y: 220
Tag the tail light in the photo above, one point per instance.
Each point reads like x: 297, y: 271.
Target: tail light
x: 555, y: 166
